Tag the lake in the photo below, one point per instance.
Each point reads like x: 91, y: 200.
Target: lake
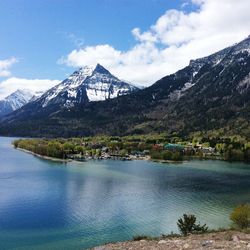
x: 52, y: 205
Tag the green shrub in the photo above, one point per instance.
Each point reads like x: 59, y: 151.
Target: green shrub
x: 188, y: 225
x: 140, y: 237
x: 241, y: 216
x: 15, y: 143
x: 79, y: 149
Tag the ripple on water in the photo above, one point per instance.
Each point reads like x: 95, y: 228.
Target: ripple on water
x: 49, y: 205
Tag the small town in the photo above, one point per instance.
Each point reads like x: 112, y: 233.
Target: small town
x: 154, y: 147
x: 100, y: 152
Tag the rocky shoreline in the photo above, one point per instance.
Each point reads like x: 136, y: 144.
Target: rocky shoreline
x: 226, y: 240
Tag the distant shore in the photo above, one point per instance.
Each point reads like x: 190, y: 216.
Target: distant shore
x: 71, y: 160
x: 127, y: 158
x: 146, y: 158
x: 167, y: 161
x: 45, y: 157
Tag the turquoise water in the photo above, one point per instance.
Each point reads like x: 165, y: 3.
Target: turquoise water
x: 49, y: 205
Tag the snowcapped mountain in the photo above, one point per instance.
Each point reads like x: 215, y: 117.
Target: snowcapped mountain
x: 210, y: 95
x: 66, y: 91
x: 225, y: 56
x: 102, y: 85
x: 85, y: 85
x: 36, y: 95
x: 237, y: 53
x: 15, y: 101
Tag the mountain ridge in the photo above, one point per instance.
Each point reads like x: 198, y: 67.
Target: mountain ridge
x: 16, y: 100
x: 211, y: 93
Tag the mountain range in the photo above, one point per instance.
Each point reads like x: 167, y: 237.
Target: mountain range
x: 210, y: 94
x: 16, y: 100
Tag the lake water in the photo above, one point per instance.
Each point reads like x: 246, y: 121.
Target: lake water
x: 49, y: 205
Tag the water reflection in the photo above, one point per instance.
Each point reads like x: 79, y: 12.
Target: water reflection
x: 46, y: 204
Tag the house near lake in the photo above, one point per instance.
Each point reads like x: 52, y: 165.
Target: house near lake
x: 174, y: 147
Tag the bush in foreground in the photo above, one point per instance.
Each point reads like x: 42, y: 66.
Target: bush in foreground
x: 241, y: 216
x: 187, y: 225
x: 141, y: 237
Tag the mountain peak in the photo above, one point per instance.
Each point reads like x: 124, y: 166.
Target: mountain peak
x: 85, y: 85
x: 15, y: 101
x: 20, y: 92
x: 100, y: 69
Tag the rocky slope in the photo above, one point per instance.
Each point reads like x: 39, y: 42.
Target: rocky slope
x: 227, y: 240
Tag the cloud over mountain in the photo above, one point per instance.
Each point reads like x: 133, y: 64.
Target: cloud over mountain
x: 5, y: 66
x: 13, y: 83
x: 174, y: 39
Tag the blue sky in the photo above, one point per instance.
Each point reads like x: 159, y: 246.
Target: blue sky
x: 39, y: 32
x: 138, y: 40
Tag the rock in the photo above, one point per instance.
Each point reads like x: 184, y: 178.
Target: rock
x: 162, y: 242
x: 207, y: 243
x: 235, y: 238
x: 243, y: 242
x: 100, y: 248
x: 176, y: 241
x: 219, y: 240
x: 238, y: 246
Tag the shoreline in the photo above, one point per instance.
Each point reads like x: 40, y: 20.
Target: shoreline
x: 71, y: 160
x: 168, y: 161
x: 44, y: 156
x: 216, y: 239
x: 146, y: 158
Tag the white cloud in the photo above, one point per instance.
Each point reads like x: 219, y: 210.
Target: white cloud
x: 11, y: 84
x: 5, y: 66
x: 145, y: 37
x: 172, y: 41
x: 90, y: 55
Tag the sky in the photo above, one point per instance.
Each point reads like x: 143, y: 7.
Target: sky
x: 44, y: 41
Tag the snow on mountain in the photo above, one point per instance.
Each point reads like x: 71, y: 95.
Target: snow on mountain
x: 15, y: 101
x: 210, y: 94
x: 222, y: 58
x: 86, y: 85
x: 224, y: 55
x: 102, y: 85
x: 36, y: 95
x: 68, y: 87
